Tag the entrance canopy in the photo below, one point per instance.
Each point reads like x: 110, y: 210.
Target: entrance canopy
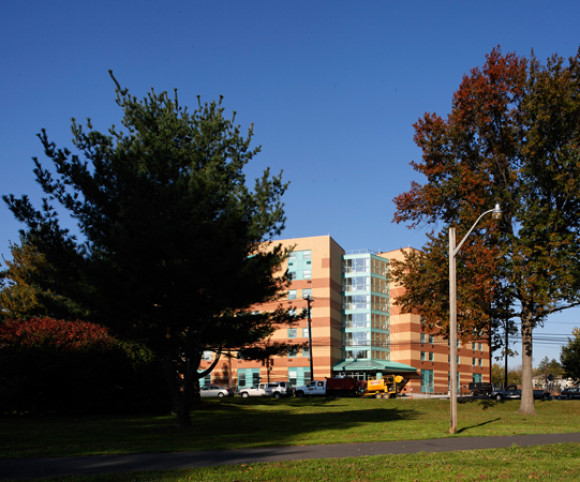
x: 386, y: 367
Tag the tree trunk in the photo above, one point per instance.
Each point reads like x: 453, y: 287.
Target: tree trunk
x: 196, y: 376
x: 183, y: 410
x: 180, y: 395
x: 506, y: 356
x: 182, y: 380
x: 196, y: 395
x: 527, y: 401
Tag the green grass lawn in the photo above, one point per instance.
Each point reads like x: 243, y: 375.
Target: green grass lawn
x: 237, y: 423
x: 553, y: 462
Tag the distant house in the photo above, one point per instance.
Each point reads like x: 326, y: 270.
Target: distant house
x: 555, y: 385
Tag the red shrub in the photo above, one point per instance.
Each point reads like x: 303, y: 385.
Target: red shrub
x: 56, y: 366
x: 63, y: 335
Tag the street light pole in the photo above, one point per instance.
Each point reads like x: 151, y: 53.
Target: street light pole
x: 452, y: 333
x: 453, y: 250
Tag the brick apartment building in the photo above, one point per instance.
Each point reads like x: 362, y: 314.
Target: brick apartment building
x: 356, y: 328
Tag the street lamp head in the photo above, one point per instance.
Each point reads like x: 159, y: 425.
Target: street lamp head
x: 497, y: 212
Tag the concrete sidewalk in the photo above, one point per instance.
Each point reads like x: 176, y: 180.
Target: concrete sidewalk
x: 101, y: 464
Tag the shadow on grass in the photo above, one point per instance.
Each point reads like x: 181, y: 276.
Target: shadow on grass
x: 267, y: 422
x: 217, y: 424
x: 485, y: 403
x: 465, y: 429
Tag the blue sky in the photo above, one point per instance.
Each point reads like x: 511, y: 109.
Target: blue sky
x: 332, y: 87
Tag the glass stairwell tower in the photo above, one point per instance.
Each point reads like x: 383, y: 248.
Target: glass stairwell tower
x: 365, y: 311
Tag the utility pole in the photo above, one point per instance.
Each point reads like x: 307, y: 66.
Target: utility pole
x: 309, y: 301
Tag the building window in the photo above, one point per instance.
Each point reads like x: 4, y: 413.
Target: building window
x: 292, y: 352
x: 205, y: 381
x: 423, y: 337
x: 357, y: 338
x: 356, y: 283
x: 292, y: 333
x: 423, y: 356
x: 304, y: 332
x: 473, y: 361
x: 306, y: 353
x: 307, y: 293
x: 430, y: 356
x: 427, y: 381
x: 248, y: 377
x: 473, y: 346
x: 357, y: 320
x: 357, y: 265
x: 479, y: 362
x: 299, y: 265
x: 357, y: 302
x: 479, y: 346
x: 292, y: 294
x: 357, y: 354
x: 431, y: 339
x: 293, y: 377
x: 298, y: 376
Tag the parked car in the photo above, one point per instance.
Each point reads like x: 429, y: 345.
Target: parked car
x: 260, y: 390
x: 279, y: 389
x: 215, y: 391
x: 513, y: 392
x: 570, y: 393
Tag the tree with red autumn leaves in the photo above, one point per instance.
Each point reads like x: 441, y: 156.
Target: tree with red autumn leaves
x: 513, y: 137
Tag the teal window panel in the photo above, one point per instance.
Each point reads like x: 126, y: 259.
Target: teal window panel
x: 299, y: 376
x: 248, y: 377
x: 300, y: 265
x: 427, y: 381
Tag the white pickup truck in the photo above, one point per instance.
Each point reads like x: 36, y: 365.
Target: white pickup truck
x: 256, y: 391
x: 331, y: 387
x: 314, y: 388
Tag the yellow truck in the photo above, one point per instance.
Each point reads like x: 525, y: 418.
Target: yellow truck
x: 388, y: 386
